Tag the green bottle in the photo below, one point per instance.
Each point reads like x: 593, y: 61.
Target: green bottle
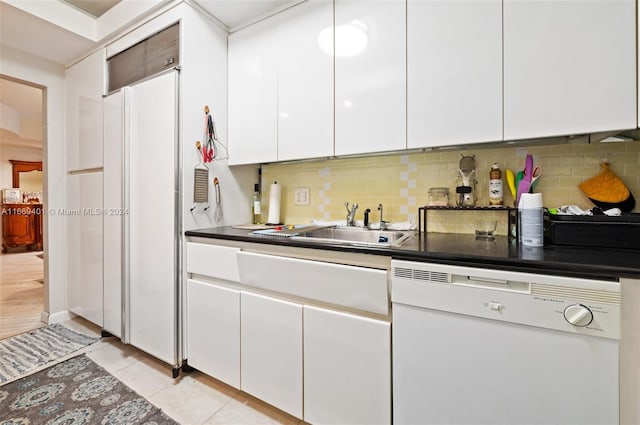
x: 256, y: 205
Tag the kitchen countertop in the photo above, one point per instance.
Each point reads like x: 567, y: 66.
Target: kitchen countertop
x: 465, y: 250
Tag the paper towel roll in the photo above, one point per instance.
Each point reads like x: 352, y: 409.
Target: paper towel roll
x: 530, y: 200
x: 275, y: 193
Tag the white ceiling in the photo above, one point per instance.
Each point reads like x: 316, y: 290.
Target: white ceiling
x: 55, y: 40
x: 237, y: 12
x: 26, y: 32
x: 26, y: 101
x: 95, y: 8
x: 40, y: 37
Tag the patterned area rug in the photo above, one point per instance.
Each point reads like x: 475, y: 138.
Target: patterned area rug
x: 22, y: 353
x: 76, y: 391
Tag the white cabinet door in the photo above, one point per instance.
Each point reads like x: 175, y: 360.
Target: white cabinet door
x: 370, y: 89
x: 271, y: 355
x: 152, y: 217
x: 569, y: 67
x: 305, y: 81
x: 253, y: 79
x: 84, y: 87
x: 113, y: 204
x: 347, y: 368
x: 213, y: 331
x: 84, y: 245
x: 454, y: 72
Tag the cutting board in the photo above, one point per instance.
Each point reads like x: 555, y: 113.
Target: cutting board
x: 253, y: 226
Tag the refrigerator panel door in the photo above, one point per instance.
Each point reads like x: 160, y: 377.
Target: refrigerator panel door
x: 153, y: 217
x: 114, y: 212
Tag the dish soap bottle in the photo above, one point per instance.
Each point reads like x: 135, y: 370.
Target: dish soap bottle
x: 495, y: 186
x: 256, y: 205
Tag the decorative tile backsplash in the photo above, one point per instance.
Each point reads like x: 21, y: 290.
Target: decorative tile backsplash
x: 401, y: 181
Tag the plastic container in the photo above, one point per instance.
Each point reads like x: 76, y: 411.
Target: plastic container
x: 602, y: 231
x: 438, y: 197
x: 531, y: 219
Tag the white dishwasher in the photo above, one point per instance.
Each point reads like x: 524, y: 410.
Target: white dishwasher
x: 478, y: 346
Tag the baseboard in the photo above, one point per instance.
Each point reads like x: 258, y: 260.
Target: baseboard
x: 58, y: 317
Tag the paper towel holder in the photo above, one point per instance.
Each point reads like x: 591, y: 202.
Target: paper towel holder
x: 273, y: 216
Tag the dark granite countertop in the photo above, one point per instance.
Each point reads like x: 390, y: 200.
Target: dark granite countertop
x: 465, y: 250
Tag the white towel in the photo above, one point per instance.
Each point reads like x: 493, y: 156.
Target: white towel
x: 573, y: 210
x: 576, y: 210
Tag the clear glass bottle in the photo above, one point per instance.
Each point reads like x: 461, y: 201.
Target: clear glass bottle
x: 495, y: 186
x: 256, y: 205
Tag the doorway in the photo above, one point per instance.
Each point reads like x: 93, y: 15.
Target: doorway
x: 22, y: 140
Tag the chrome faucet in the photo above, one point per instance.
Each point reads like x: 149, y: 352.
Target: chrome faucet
x: 383, y: 224
x: 351, y: 214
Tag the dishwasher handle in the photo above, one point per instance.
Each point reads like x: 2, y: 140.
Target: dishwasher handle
x: 487, y: 280
x: 491, y: 283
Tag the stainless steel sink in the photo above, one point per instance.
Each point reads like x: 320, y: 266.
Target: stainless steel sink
x: 355, y: 236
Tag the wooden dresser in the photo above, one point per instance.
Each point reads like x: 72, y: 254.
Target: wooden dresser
x: 22, y: 225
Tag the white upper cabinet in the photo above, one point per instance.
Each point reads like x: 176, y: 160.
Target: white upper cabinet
x: 84, y: 87
x: 569, y: 67
x: 370, y: 83
x: 454, y: 72
x: 253, y: 89
x: 281, y: 86
x: 305, y: 81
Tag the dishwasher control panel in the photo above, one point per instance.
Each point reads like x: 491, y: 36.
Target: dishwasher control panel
x: 581, y: 306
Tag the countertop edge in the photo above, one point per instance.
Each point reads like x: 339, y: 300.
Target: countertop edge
x: 539, y: 266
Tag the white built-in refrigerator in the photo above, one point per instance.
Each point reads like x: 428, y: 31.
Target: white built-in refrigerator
x: 142, y: 216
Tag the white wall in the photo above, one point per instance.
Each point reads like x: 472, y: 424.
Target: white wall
x: 26, y: 67
x: 210, y: 72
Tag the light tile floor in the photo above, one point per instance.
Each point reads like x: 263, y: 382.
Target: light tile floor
x: 191, y: 399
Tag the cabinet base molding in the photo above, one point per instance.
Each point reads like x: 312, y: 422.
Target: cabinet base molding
x: 60, y: 316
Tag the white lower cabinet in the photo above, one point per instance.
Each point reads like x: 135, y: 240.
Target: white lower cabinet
x: 213, y: 330
x: 271, y: 355
x: 347, y: 368
x: 287, y: 338
x: 84, y: 245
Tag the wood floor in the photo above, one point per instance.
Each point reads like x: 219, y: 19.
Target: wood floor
x: 21, y: 295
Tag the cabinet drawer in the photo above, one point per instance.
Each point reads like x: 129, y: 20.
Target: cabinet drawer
x: 348, y: 286
x: 213, y: 261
